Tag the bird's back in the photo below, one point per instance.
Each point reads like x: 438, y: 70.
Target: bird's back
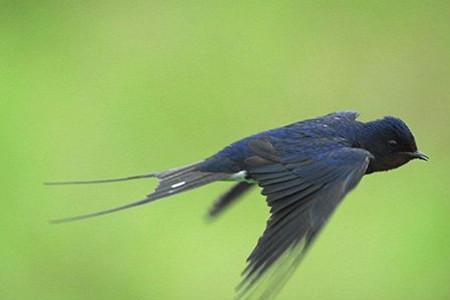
x: 339, y: 127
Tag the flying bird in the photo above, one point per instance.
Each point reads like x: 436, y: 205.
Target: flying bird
x: 304, y: 170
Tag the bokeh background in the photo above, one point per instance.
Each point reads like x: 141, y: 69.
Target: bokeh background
x: 94, y: 89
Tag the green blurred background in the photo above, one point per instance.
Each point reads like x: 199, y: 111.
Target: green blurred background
x: 106, y: 88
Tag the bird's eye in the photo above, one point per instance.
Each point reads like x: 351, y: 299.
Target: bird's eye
x: 392, y: 143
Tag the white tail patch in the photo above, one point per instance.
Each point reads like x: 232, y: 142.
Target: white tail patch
x: 178, y: 184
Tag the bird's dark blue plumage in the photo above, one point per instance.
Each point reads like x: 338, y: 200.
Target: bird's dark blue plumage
x: 304, y: 169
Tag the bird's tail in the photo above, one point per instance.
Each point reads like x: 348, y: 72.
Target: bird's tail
x: 171, y: 182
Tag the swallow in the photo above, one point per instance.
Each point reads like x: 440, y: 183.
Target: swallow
x: 304, y: 170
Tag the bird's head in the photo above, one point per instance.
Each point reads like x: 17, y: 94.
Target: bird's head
x: 391, y: 143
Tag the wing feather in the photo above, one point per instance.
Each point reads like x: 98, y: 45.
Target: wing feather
x: 302, y: 194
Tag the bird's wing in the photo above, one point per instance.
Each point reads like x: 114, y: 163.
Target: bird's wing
x: 229, y: 197
x: 302, y: 192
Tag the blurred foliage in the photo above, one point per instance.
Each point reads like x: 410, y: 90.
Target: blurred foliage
x: 109, y: 88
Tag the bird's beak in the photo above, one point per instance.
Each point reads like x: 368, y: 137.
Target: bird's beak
x: 418, y: 155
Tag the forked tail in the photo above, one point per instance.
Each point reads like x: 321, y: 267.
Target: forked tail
x: 101, y: 180
x: 171, y: 182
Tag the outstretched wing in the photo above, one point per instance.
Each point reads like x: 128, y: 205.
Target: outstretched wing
x: 302, y: 190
